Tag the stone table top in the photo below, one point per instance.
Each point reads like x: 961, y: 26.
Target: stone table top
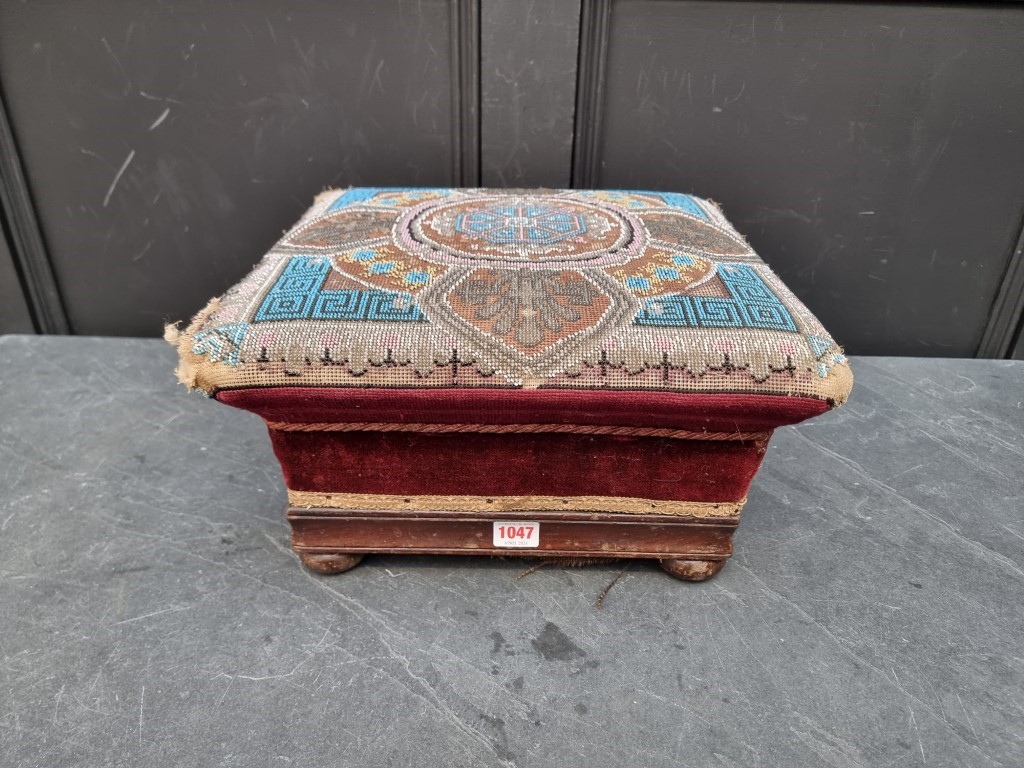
x: 153, y: 613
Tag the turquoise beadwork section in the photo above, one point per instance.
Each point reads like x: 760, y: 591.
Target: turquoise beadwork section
x: 298, y: 294
x: 220, y: 344
x: 751, y: 305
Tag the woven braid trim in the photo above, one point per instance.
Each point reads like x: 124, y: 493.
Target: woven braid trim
x: 514, y: 429
x: 432, y: 503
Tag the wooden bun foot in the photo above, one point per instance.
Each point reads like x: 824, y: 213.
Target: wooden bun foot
x: 329, y: 564
x: 692, y: 570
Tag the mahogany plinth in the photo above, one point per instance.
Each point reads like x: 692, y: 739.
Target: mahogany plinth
x: 688, y: 548
x: 329, y: 563
x: 692, y: 570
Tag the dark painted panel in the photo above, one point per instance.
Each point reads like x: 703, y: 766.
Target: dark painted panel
x: 873, y: 154
x: 528, y: 83
x: 167, y: 145
x: 24, y: 239
x: 1008, y: 308
x: 466, y: 92
x: 14, y: 314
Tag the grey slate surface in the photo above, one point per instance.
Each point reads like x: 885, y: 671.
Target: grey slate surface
x: 152, y: 613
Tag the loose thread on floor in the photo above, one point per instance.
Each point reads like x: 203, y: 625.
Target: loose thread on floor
x: 606, y: 590
x: 533, y: 569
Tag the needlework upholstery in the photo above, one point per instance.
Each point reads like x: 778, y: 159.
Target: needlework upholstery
x: 515, y: 291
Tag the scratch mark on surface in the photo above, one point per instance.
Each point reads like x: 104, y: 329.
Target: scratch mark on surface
x: 117, y: 61
x: 913, y: 722
x: 60, y: 695
x: 148, y: 615
x: 151, y: 97
x: 159, y: 120
x: 260, y: 679
x: 964, y: 455
x: 277, y: 544
x: 905, y: 471
x: 727, y: 102
x: 231, y: 681
x: 90, y: 153
x: 117, y: 177
x: 828, y: 745
x: 142, y: 703
x: 967, y: 716
x: 143, y: 252
x: 375, y: 81
x: 1006, y: 527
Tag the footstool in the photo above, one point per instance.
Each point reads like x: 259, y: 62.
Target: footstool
x: 555, y: 374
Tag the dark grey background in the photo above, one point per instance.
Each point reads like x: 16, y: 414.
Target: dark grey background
x: 873, y: 153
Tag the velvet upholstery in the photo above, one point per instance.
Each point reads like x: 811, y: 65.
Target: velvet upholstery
x: 714, y: 412
x: 517, y: 465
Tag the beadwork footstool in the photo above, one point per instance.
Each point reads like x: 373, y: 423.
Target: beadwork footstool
x: 578, y: 374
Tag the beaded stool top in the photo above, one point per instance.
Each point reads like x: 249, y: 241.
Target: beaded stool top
x: 513, y: 289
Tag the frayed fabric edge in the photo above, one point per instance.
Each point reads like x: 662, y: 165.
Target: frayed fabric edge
x: 187, y: 371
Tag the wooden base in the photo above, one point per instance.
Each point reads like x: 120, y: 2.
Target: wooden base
x: 329, y: 564
x: 692, y: 570
x: 334, y: 540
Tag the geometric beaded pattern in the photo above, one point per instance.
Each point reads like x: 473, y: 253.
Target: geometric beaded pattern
x: 298, y: 294
x: 444, y: 287
x: 750, y: 305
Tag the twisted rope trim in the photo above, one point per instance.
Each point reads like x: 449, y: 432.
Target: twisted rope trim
x: 441, y: 503
x: 513, y: 429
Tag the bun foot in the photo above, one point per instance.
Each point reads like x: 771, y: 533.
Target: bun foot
x: 692, y: 570
x: 329, y: 564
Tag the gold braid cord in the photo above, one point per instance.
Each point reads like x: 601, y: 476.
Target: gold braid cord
x: 432, y: 503
x: 514, y: 429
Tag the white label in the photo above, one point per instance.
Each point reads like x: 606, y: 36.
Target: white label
x: 516, y: 533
